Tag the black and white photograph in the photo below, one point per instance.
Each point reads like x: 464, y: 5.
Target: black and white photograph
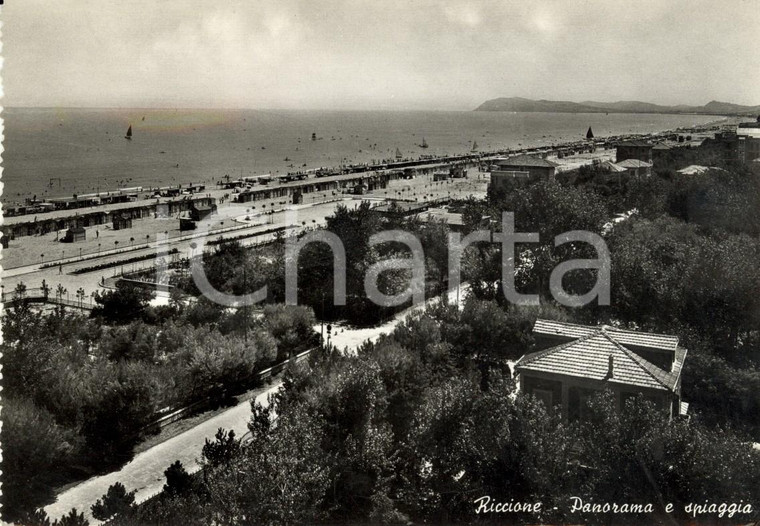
x: 390, y: 262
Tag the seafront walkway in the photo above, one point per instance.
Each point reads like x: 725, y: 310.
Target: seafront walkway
x: 62, y: 271
x: 34, y: 254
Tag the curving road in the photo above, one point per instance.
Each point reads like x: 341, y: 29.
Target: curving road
x: 145, y: 473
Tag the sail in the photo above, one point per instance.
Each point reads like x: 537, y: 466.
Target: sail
x: 424, y: 143
x: 398, y: 154
x: 589, y: 133
x: 474, y: 146
x: 129, y: 132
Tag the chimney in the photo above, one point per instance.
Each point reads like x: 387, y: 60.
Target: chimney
x: 609, y: 368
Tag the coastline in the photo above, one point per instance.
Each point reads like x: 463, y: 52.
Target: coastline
x: 58, y: 153
x: 535, y: 145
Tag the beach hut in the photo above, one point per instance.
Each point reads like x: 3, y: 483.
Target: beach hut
x: 122, y: 221
x: 75, y: 234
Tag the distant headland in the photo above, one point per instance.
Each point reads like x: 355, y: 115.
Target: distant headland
x: 527, y: 105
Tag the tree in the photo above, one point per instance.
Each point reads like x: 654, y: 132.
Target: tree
x: 136, y: 341
x: 116, y: 501
x: 37, y: 517
x: 114, y: 413
x: 224, y: 447
x: 178, y: 480
x: 124, y: 304
x: 292, y: 326
x: 35, y: 448
x: 215, y: 361
x: 20, y: 302
x: 60, y: 291
x: 281, y: 478
x: 80, y: 295
x: 72, y: 519
x: 45, y: 289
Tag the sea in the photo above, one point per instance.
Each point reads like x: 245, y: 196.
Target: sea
x: 60, y: 152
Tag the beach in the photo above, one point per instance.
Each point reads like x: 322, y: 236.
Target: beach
x: 61, y: 152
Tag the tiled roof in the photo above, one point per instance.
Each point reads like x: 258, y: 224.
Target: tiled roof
x: 634, y: 163
x: 588, y: 356
x: 559, y: 328
x: 642, y: 339
x: 612, y: 167
x: 526, y: 160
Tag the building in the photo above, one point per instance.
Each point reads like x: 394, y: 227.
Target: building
x: 440, y: 215
x: 122, y: 221
x: 740, y: 144
x: 458, y: 171
x: 574, y: 361
x: 748, y: 141
x: 200, y: 211
x: 74, y: 234
x: 399, y: 209
x: 360, y: 188
x: 505, y: 173
x: 640, y: 150
x: 635, y: 168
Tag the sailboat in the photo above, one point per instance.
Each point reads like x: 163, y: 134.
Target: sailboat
x: 424, y: 143
x: 128, y: 136
x: 398, y: 154
x: 589, y: 133
x: 474, y: 146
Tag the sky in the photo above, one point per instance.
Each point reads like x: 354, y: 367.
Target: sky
x: 378, y: 54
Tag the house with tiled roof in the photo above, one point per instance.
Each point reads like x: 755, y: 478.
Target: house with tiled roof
x: 635, y: 168
x: 574, y: 361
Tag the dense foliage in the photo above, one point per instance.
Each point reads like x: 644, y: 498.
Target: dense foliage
x: 79, y: 393
x: 423, y: 421
x: 406, y: 431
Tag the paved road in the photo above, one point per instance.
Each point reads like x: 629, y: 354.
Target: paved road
x: 145, y: 473
x: 32, y: 275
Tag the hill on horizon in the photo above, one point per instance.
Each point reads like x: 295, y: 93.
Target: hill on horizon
x: 520, y: 104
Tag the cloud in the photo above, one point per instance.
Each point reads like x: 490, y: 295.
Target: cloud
x: 447, y: 54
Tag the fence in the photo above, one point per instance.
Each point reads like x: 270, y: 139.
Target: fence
x: 260, y: 377
x: 38, y: 295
